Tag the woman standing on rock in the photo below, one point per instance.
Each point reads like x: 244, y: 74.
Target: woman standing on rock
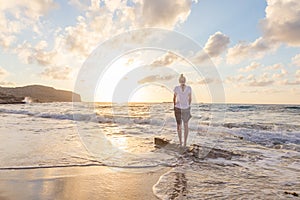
x: 182, y: 102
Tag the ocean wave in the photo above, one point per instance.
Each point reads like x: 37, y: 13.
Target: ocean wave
x: 241, y: 108
x: 50, y: 166
x: 263, y: 126
x: 292, y: 107
x: 88, y: 165
x: 121, y: 119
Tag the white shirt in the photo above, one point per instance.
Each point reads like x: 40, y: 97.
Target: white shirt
x: 182, y: 97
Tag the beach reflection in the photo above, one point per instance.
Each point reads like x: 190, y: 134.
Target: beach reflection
x: 78, y: 183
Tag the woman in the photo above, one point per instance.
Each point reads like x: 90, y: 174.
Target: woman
x: 182, y: 102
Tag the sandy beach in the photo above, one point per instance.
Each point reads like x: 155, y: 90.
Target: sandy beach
x: 45, y: 155
x: 79, y: 183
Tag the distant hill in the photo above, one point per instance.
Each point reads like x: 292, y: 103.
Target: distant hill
x: 36, y: 93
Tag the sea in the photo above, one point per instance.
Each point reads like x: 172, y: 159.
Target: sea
x: 263, y: 139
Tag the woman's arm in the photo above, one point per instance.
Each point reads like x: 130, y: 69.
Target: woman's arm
x: 190, y: 98
x: 174, y: 99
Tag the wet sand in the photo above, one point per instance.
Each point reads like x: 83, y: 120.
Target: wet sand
x: 79, y: 183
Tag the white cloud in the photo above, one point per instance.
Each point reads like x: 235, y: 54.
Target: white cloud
x: 32, y: 9
x: 155, y: 78
x: 58, y: 73
x: 298, y: 74
x: 165, y: 60
x: 79, y: 4
x: 274, y: 67
x: 165, y: 13
x: 99, y: 22
x: 288, y: 82
x: 263, y: 80
x: 204, y: 81
x: 29, y: 54
x: 250, y: 67
x: 254, y: 50
x: 3, y: 72
x: 23, y: 15
x: 234, y: 79
x: 296, y: 60
x: 7, y: 83
x: 216, y: 44
x: 250, y: 80
x: 282, y: 23
x: 280, y: 75
x: 214, y: 47
x: 41, y: 45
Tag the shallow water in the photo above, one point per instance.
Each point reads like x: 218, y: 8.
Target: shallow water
x: 121, y: 135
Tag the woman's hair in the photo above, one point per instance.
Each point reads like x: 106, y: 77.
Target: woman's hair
x: 182, y: 78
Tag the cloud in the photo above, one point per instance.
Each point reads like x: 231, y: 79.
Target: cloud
x: 22, y: 15
x: 155, y: 78
x: 250, y: 67
x: 282, y: 23
x: 280, y: 75
x: 165, y: 13
x: 298, y: 74
x: 288, y: 82
x: 216, y: 44
x: 254, y: 50
x: 263, y: 91
x: 6, y: 40
x: 250, y: 80
x: 37, y: 54
x: 234, y: 79
x: 274, y: 67
x: 41, y: 45
x: 295, y: 91
x: 58, y: 73
x: 3, y: 72
x: 98, y: 22
x: 296, y: 60
x: 266, y: 79
x: 31, y: 9
x: 263, y: 80
x: 214, y: 47
x: 204, y: 81
x: 283, y: 28
x: 165, y: 60
x: 7, y: 83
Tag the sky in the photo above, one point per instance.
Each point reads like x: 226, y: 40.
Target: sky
x: 249, y: 50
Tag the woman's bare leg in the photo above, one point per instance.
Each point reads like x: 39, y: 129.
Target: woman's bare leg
x: 186, y: 133
x: 179, y: 133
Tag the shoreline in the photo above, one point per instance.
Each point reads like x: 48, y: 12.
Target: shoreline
x: 93, y: 182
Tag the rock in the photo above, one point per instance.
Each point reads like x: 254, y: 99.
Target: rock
x: 161, y: 142
x: 10, y: 99
x: 195, y: 151
x: 166, y: 144
x: 292, y: 193
x: 210, y: 152
x: 37, y: 93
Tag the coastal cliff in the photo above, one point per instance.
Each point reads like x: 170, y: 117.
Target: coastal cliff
x: 36, y: 93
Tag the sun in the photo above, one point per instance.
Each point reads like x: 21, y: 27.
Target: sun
x: 151, y: 93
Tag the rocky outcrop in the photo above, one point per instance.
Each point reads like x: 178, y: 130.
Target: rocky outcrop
x: 195, y: 151
x: 10, y: 99
x: 36, y: 93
